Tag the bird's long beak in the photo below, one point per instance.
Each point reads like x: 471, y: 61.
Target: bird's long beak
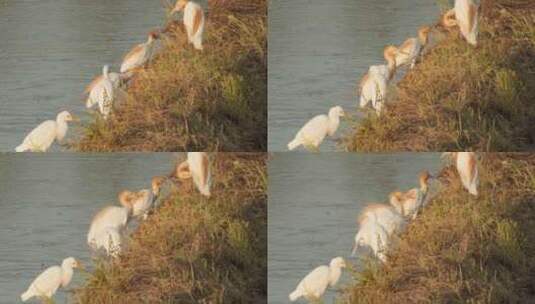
x: 75, y: 118
x: 342, y: 114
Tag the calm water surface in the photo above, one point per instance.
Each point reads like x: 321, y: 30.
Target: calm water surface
x: 319, y: 49
x: 47, y: 202
x: 51, y: 49
x: 314, y: 200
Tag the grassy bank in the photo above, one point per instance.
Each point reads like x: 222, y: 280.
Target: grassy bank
x: 193, y: 249
x: 464, y: 249
x: 186, y: 100
x: 463, y: 98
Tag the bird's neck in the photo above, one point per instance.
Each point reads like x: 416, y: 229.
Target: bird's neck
x: 66, y: 275
x: 61, y: 129
x: 334, y: 275
x: 334, y: 121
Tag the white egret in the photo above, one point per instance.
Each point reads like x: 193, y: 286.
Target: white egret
x: 466, y: 164
x: 108, y: 217
x: 102, y: 91
x: 139, y: 55
x: 466, y: 14
x: 197, y: 166
x: 142, y: 201
x: 412, y: 48
x: 109, y: 239
x: 409, y: 203
x: 385, y: 215
x: 374, y: 84
x: 311, y: 135
x: 373, y: 235
x: 193, y: 21
x: 313, y: 286
x: 42, y: 137
x: 48, y: 282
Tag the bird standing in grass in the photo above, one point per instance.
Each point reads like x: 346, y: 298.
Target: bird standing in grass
x: 373, y: 235
x: 197, y: 167
x: 110, y: 217
x: 110, y: 240
x: 373, y: 85
x: 102, y: 91
x: 466, y: 164
x: 193, y: 21
x: 139, y: 55
x: 42, y: 137
x: 466, y: 14
x: 313, y: 286
x: 409, y: 203
x: 48, y: 282
x: 412, y: 48
x: 311, y: 135
x: 142, y: 201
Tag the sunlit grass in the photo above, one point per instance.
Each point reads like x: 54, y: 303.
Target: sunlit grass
x: 194, y: 249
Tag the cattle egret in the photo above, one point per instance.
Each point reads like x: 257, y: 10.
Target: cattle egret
x: 373, y: 86
x: 42, y: 137
x: 108, y: 217
x: 48, y: 282
x: 197, y: 167
x: 193, y: 21
x: 102, y: 91
x: 140, y: 202
x: 466, y: 14
x: 466, y: 164
x: 412, y: 48
x: 139, y: 55
x: 373, y: 235
x: 110, y: 240
x: 311, y: 135
x: 409, y: 203
x: 313, y: 286
x: 384, y: 215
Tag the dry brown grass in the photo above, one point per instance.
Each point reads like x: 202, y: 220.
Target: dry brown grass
x: 462, y: 98
x: 193, y: 249
x: 186, y: 100
x: 464, y: 249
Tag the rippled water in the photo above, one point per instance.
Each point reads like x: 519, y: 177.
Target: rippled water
x: 314, y: 200
x: 319, y: 49
x: 51, y: 49
x: 47, y: 202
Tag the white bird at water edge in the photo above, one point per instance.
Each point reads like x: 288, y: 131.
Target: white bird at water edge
x: 48, y: 282
x: 102, y: 91
x: 110, y: 217
x: 42, y: 137
x: 313, y: 286
x: 466, y: 14
x: 374, y: 84
x: 312, y: 134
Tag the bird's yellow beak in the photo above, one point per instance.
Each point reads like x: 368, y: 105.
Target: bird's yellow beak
x: 75, y: 118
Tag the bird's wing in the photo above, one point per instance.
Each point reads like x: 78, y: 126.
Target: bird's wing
x: 42, y: 136
x: 316, y: 281
x: 316, y: 127
x: 93, y: 83
x: 48, y: 281
x: 197, y: 19
x: 134, y: 57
